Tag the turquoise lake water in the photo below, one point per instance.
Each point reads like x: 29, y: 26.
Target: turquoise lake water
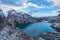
x: 36, y: 29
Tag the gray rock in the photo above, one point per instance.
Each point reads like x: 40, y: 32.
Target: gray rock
x: 11, y: 33
x: 8, y: 30
x: 53, y: 35
x: 20, y: 18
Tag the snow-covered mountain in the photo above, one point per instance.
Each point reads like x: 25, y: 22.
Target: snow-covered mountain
x: 5, y: 9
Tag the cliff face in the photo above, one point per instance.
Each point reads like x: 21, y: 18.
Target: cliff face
x: 8, y: 31
x: 52, y: 35
x: 2, y: 20
x: 56, y: 23
x: 19, y: 18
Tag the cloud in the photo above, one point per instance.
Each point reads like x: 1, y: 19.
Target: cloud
x: 6, y: 8
x: 14, y: 2
x: 9, y: 6
x: 25, y: 4
x: 35, y: 5
x: 56, y: 11
x: 56, y: 2
x: 43, y: 14
x: 18, y: 2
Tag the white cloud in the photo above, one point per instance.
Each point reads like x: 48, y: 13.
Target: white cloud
x: 35, y: 5
x: 8, y: 6
x: 56, y: 11
x: 21, y: 2
x: 5, y: 8
x: 26, y: 5
x: 56, y: 2
x: 43, y: 14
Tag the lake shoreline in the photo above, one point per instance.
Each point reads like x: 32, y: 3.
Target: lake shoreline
x: 8, y: 30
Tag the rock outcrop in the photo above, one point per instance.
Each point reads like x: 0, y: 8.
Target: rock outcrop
x: 8, y: 31
x: 56, y: 23
x: 2, y: 19
x: 53, y: 35
x: 11, y: 33
x: 19, y: 18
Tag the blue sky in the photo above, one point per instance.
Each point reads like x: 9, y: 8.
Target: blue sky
x: 34, y: 7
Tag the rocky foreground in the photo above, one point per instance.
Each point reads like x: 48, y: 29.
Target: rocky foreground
x: 8, y: 30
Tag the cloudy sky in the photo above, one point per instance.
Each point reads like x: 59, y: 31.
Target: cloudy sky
x: 35, y: 7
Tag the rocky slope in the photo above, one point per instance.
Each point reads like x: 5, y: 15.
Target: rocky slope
x: 14, y: 18
x: 56, y: 23
x: 52, y: 35
x: 8, y: 30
